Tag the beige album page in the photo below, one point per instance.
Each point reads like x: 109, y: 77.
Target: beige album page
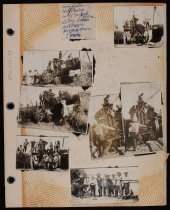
x: 88, y: 87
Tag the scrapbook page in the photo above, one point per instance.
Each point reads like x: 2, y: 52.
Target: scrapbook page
x: 85, y: 104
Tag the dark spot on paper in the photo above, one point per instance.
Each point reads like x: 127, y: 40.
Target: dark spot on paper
x: 120, y: 96
x: 85, y: 87
x: 77, y: 134
x: 88, y: 126
x: 22, y: 59
x: 72, y: 40
x: 94, y: 65
x: 85, y: 49
x: 161, y: 99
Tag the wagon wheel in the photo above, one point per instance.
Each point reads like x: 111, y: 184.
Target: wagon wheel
x: 55, y: 161
x: 48, y: 77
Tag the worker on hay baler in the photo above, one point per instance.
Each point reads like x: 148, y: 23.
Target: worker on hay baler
x: 141, y: 109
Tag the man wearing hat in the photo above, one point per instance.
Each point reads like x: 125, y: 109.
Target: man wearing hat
x: 114, y: 184
x: 102, y: 114
x: 105, y: 185
x: 81, y: 186
x: 126, y: 184
x: 118, y: 188
x: 50, y: 92
x: 141, y: 107
x: 25, y: 144
x: 20, y: 159
x: 99, y: 182
x: 109, y: 185
x: 93, y: 186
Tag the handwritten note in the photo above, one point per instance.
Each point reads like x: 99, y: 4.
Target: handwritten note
x: 78, y: 21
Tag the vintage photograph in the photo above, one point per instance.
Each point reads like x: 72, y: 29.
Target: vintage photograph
x: 58, y: 68
x: 52, y: 108
x: 142, y: 117
x: 136, y: 26
x: 106, y: 131
x: 104, y: 185
x: 42, y: 153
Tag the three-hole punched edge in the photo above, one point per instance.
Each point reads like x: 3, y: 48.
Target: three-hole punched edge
x: 11, y: 179
x: 10, y: 31
x: 10, y: 105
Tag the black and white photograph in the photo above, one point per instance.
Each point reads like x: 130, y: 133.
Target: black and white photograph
x: 42, y: 153
x: 104, y: 185
x: 136, y: 26
x: 58, y: 68
x: 142, y: 117
x: 106, y: 131
x: 55, y: 109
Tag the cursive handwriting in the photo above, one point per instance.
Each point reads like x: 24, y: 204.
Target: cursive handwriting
x: 77, y: 21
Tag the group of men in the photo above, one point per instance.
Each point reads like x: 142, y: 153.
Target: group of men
x: 109, y: 185
x: 43, y: 155
x: 144, y: 123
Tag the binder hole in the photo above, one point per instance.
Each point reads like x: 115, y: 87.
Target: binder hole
x: 11, y: 179
x: 10, y: 106
x: 10, y: 32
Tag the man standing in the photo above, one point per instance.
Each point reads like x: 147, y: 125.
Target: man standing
x: 57, y: 146
x: 81, y: 186
x: 134, y: 134
x: 25, y: 144
x: 99, y: 182
x: 141, y: 109
x: 126, y: 185
x: 51, y: 94
x: 114, y: 184
x: 93, y: 186
x: 118, y: 189
x: 20, y: 151
x: 105, y: 185
x: 109, y: 185
x: 41, y: 98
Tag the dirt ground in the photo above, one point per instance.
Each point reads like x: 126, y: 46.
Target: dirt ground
x: 51, y: 126
x: 96, y: 200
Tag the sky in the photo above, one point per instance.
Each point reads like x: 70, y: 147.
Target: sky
x: 38, y: 60
x: 130, y: 93
x: 29, y: 94
x: 20, y: 140
x: 122, y: 14
x: 132, y: 172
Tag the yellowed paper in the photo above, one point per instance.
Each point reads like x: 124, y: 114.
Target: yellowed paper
x: 38, y: 27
